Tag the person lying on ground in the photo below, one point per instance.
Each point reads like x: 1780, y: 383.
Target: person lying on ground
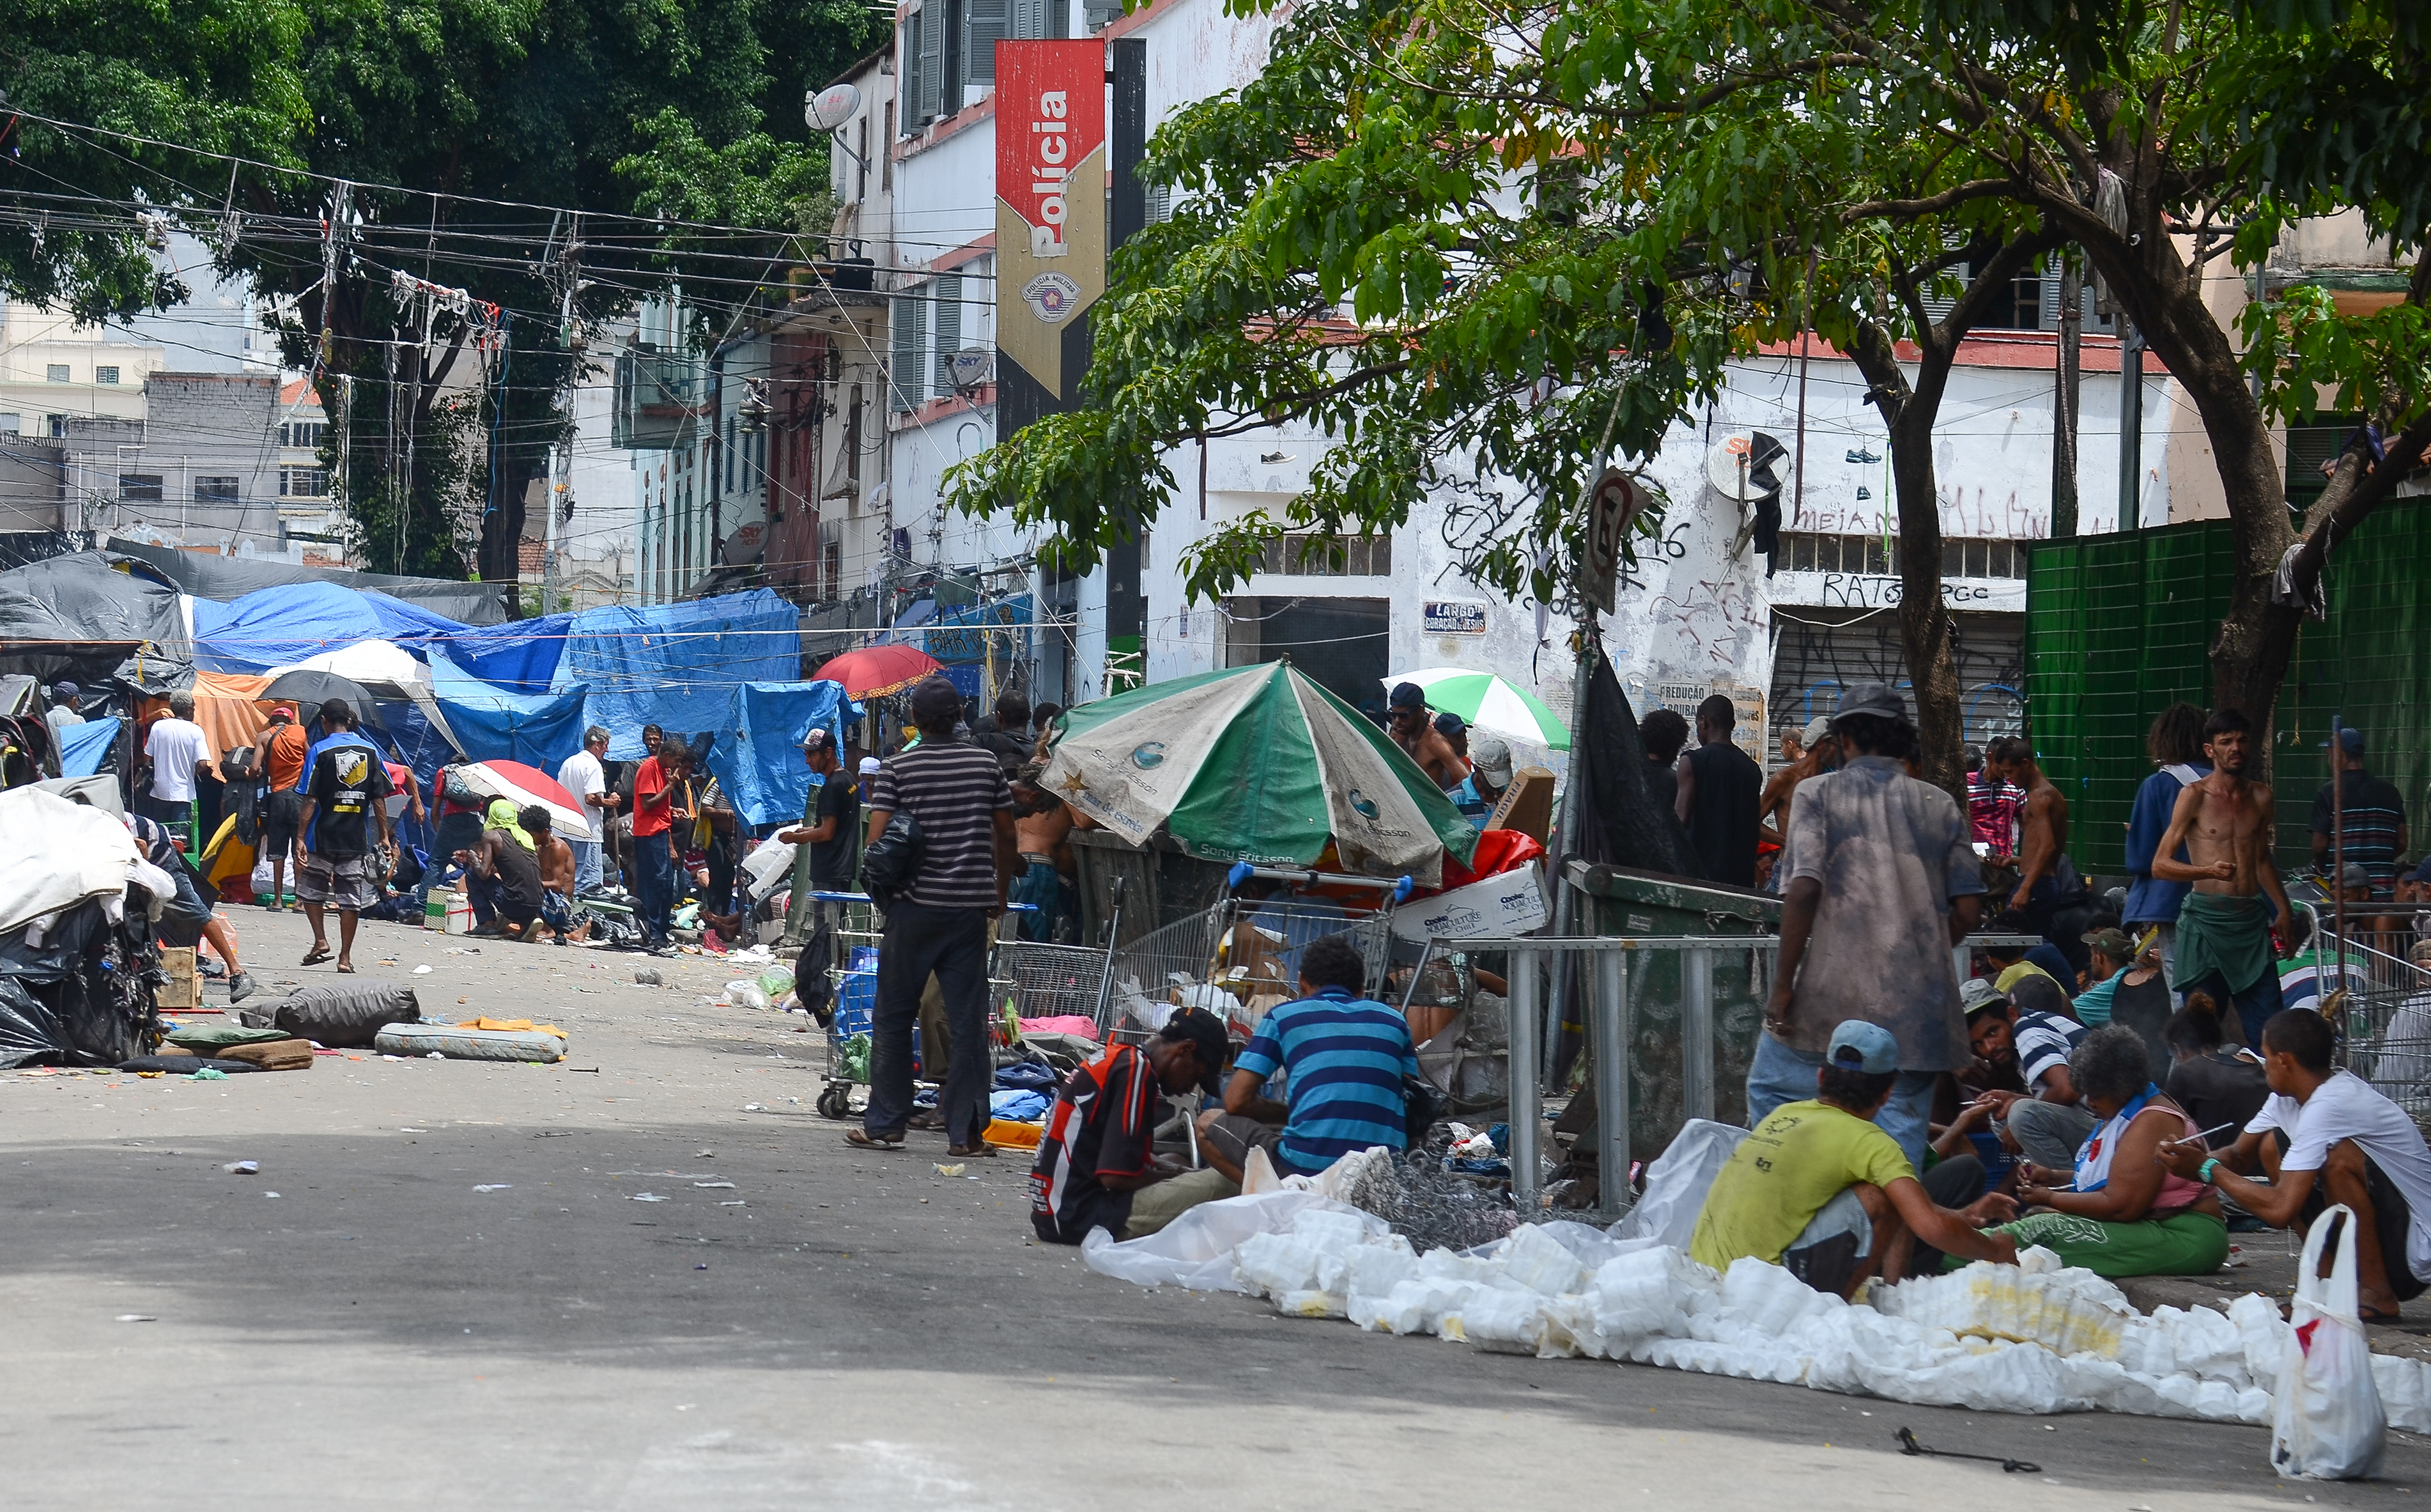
x: 2325, y: 1136
x: 1096, y: 1167
x: 2044, y: 1122
x: 557, y: 872
x: 1345, y: 1056
x: 502, y: 874
x: 2116, y: 1210
x: 1820, y: 1190
x: 2215, y: 1082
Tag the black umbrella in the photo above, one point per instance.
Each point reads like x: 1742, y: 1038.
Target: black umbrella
x: 308, y: 690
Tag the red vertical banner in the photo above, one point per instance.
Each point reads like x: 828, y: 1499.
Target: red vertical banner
x: 1050, y: 199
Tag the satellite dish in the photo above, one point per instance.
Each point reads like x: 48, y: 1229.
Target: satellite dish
x: 971, y: 366
x: 1747, y: 465
x: 827, y: 110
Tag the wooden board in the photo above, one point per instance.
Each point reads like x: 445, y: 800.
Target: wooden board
x: 184, y: 991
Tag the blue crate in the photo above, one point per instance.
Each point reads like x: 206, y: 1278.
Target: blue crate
x: 856, y: 1004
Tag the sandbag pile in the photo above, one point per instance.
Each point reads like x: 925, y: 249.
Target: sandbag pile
x: 2036, y: 1337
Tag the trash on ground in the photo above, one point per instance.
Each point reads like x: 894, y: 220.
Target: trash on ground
x: 496, y: 1186
x: 242, y: 1167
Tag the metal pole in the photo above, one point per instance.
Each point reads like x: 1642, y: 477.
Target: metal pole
x: 2064, y: 403
x: 1611, y: 1051
x: 2337, y: 862
x: 1527, y: 1101
x: 1697, y: 1031
x: 2130, y: 425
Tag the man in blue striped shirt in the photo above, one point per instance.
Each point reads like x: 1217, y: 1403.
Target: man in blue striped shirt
x: 1345, y: 1056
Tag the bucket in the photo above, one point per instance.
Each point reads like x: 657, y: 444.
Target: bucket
x: 459, y: 914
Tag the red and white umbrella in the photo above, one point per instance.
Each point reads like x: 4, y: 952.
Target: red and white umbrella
x: 875, y: 671
x: 525, y: 786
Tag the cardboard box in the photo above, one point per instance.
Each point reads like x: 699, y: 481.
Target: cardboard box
x: 184, y: 990
x: 1527, y: 805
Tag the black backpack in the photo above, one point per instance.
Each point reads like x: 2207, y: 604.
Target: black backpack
x: 890, y: 862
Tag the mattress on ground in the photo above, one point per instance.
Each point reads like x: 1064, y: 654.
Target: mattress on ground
x: 469, y: 1044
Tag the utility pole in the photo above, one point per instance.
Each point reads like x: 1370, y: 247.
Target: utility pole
x: 2131, y: 424
x: 2065, y: 400
x: 569, y: 276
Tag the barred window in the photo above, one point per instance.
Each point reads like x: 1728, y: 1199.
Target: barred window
x: 303, y: 483
x: 1331, y: 556
x: 1961, y: 557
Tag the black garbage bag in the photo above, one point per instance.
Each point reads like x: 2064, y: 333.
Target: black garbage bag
x: 84, y: 995
x: 1620, y: 821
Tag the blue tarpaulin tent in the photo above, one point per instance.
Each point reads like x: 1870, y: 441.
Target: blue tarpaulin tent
x: 520, y: 657
x: 491, y: 724
x: 278, y: 626
x: 83, y: 748
x: 676, y: 666
x: 756, y: 755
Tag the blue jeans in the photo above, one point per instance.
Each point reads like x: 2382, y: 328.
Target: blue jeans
x: 2255, y: 1005
x: 1780, y: 1076
x: 655, y: 888
x: 588, y: 868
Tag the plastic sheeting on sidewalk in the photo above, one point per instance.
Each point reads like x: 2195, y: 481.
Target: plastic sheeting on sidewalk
x: 206, y: 576
x: 55, y: 854
x: 81, y: 617
x: 84, y: 747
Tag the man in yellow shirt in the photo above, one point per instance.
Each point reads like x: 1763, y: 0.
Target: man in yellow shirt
x: 1822, y: 1191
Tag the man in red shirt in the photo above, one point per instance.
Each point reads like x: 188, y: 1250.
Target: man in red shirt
x: 278, y: 756
x: 655, y: 789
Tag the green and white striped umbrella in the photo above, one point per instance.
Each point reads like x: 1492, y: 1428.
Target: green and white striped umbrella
x: 1255, y: 763
x: 1485, y: 702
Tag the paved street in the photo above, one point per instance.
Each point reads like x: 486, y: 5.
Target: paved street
x: 361, y: 1325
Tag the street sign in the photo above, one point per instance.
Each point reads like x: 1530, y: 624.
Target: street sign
x: 1453, y: 617
x: 1611, y: 511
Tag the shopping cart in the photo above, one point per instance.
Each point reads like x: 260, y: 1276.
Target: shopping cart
x: 857, y: 934
x: 1241, y: 956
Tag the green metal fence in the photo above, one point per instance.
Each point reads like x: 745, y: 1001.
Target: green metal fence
x: 2119, y: 626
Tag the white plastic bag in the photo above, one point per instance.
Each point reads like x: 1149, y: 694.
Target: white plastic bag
x: 1195, y: 1251
x: 2329, y: 1424
x: 1676, y: 1184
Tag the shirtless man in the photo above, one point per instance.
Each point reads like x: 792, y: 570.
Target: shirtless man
x: 556, y: 876
x: 2226, y: 822
x: 1042, y: 829
x: 1815, y: 752
x: 2048, y: 883
x: 1406, y: 721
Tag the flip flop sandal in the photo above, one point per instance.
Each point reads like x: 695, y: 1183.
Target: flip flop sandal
x: 346, y: 971
x: 318, y: 954
x: 862, y: 1140
x: 983, y: 1150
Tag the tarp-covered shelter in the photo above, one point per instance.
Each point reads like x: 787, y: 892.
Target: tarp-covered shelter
x: 224, y: 708
x: 520, y: 656
x: 385, y: 671
x: 757, y: 753
x: 281, y: 627
x: 86, y: 618
x: 676, y: 666
x: 206, y: 576
x: 489, y: 723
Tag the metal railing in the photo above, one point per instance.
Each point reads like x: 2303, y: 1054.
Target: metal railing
x: 1615, y: 971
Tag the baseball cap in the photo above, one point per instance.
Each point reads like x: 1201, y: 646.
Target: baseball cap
x: 1449, y: 724
x: 64, y: 690
x: 1489, y: 755
x: 1816, y: 729
x: 871, y: 767
x: 2351, y: 740
x: 1408, y: 696
x: 281, y: 710
x: 1861, y: 1046
x: 2112, y: 942
x: 818, y: 739
x: 1975, y: 995
x: 1204, y: 1033
x: 1874, y: 699
x: 2355, y: 875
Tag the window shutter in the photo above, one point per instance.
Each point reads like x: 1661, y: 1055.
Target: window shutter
x: 908, y: 83
x: 932, y: 63
x: 983, y: 26
x: 904, y: 386
x: 1029, y: 20
x: 949, y: 291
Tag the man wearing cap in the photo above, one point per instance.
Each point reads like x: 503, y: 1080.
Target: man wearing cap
x: 1096, y: 1165
x: 1818, y: 752
x: 1405, y: 720
x: 1489, y: 777
x: 278, y: 763
x: 1882, y: 881
x: 2046, y: 1121
x: 2372, y: 811
x: 63, y: 712
x: 828, y: 842
x: 1818, y: 1188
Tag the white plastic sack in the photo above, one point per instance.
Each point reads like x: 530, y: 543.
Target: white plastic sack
x: 54, y: 854
x: 1195, y: 1251
x: 2329, y: 1425
x: 1676, y: 1185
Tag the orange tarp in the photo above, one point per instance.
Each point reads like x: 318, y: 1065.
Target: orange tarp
x: 224, y: 707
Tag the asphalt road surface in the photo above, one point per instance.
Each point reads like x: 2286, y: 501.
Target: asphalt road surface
x: 797, y: 1325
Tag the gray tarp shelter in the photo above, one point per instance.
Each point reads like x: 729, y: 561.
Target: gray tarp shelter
x: 231, y: 578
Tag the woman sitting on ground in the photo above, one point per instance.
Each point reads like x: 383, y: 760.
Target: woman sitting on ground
x: 2118, y: 1213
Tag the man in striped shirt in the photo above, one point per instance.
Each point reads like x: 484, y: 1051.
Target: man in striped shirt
x: 2372, y: 811
x: 1345, y: 1056
x: 957, y: 794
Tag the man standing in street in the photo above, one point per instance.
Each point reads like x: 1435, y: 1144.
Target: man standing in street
x: 1663, y: 732
x: 823, y: 863
x: 344, y: 808
x: 1719, y: 788
x: 1818, y: 752
x: 2372, y: 811
x: 179, y: 753
x: 655, y: 790
x: 938, y: 923
x: 1992, y: 804
x: 278, y: 761
x: 1882, y: 881
x: 2175, y: 746
x: 2225, y: 823
x: 63, y: 712
x: 1406, y: 721
x: 584, y: 776
x: 2050, y: 895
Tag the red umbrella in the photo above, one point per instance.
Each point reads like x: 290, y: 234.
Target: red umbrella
x: 525, y: 786
x: 875, y: 671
